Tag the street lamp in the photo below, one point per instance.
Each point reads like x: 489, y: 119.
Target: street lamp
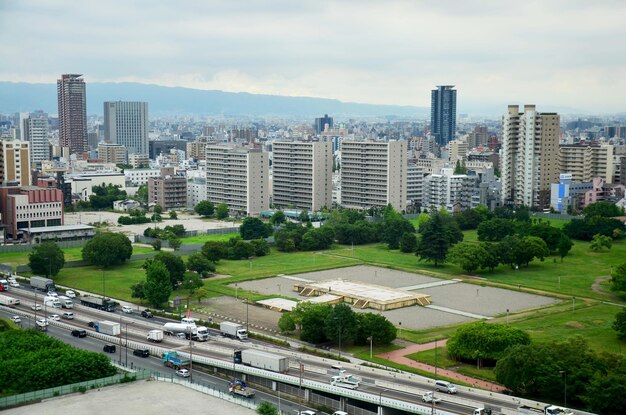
x: 340, y: 329
x: 380, y: 398
x: 300, y: 369
x: 370, y: 340
x: 564, y: 373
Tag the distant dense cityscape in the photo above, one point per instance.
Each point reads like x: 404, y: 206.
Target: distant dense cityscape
x: 540, y: 160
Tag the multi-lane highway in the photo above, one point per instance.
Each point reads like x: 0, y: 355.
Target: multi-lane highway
x: 406, y: 388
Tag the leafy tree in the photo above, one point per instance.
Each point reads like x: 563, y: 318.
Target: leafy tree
x: 526, y: 368
x: 565, y: 245
x: 314, y: 239
x: 221, y: 212
x: 191, y: 283
x: 157, y: 209
x: 158, y: 286
x: 254, y: 228
x: 214, y: 250
x: 495, y: 230
x: 46, y: 259
x: 468, y: 255
x: 392, y: 229
x: 619, y: 325
x: 278, y: 217
x: 107, y: 249
x: 174, y: 265
x: 286, y: 323
x: 103, y: 196
x: 174, y: 242
x: 468, y: 219
x: 535, y: 247
x: 198, y: 263
x: 137, y: 290
x: 605, y: 393
x: 205, y: 208
x: 484, y: 341
x: 341, y: 323
x: 600, y: 241
x: 550, y: 235
x: 618, y: 278
x: 304, y: 216
x: 156, y: 244
x: 604, y: 209
x: 377, y: 326
x: 586, y: 229
x: 290, y: 232
x: 313, y: 323
x: 492, y: 260
x: 260, y: 246
x: 141, y: 195
x: 266, y: 408
x: 178, y: 230
x: 434, y: 243
x: 408, y: 242
x: 173, y: 214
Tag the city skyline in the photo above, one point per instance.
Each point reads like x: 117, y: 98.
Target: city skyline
x: 496, y: 53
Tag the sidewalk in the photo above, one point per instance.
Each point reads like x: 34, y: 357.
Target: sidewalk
x: 398, y: 356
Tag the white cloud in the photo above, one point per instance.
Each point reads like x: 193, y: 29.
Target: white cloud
x: 561, y: 52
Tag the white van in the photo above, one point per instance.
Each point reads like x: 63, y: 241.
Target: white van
x: 443, y: 386
x: 187, y: 320
x: 68, y: 315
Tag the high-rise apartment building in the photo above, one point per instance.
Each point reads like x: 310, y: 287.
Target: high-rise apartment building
x: 585, y: 162
x: 373, y: 174
x: 443, y: 113
x: 35, y: 131
x: 126, y: 123
x: 71, y: 92
x: 169, y: 190
x: 112, y: 153
x: 448, y: 190
x: 15, y: 162
x: 529, y: 160
x: 302, y: 174
x: 322, y: 122
x: 239, y: 177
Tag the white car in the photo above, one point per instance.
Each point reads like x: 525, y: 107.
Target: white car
x: 16, y: 319
x: 183, y: 373
x: 70, y: 294
x: 54, y: 317
x: 307, y: 413
x: 127, y: 309
x: 36, y: 307
x: 52, y: 294
x: 41, y: 322
x: 14, y: 283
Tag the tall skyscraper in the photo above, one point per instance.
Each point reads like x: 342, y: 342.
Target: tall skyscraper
x: 72, y: 112
x: 302, y: 174
x: 529, y: 160
x: 35, y: 130
x: 126, y: 123
x: 443, y: 113
x: 320, y: 123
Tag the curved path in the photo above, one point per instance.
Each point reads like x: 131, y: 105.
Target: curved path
x: 398, y: 356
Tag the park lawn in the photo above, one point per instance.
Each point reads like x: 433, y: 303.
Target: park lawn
x: 443, y: 361
x: 201, y: 239
x: 117, y: 280
x: 71, y: 254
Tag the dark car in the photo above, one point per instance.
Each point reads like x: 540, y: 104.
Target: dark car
x: 146, y: 314
x: 79, y: 333
x: 109, y: 348
x: 142, y: 352
x: 92, y: 324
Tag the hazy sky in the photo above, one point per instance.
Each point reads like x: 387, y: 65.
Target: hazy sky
x: 552, y: 52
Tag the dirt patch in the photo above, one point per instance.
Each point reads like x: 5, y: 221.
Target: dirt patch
x: 574, y: 325
x: 596, y: 287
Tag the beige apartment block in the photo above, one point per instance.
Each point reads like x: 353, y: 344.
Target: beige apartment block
x: 586, y: 162
x: 373, y: 174
x: 302, y: 174
x: 169, y: 190
x: 112, y: 153
x: 15, y: 162
x: 239, y: 177
x: 530, y: 156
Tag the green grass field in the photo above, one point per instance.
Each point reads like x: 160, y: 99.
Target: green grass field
x: 201, y: 239
x: 71, y: 254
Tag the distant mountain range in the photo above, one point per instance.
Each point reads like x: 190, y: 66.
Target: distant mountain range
x: 23, y: 97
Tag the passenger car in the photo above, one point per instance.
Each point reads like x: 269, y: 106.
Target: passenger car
x: 16, y: 319
x: 79, y: 333
x: 54, y: 317
x: 127, y: 309
x: 142, y: 352
x: 36, y: 307
x: 109, y: 348
x: 183, y: 373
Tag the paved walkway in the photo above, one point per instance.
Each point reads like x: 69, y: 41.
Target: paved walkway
x: 429, y: 285
x: 459, y: 312
x: 398, y: 356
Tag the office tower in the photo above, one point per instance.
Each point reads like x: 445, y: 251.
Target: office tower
x: 530, y: 156
x: 373, y: 174
x: 15, y: 162
x: 443, y: 114
x: 126, y: 123
x: 35, y: 130
x: 72, y: 112
x: 322, y: 122
x: 302, y: 174
x: 239, y: 177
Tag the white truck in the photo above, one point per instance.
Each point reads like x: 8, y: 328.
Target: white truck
x: 66, y: 302
x: 239, y: 387
x: 233, y: 330
x: 8, y: 301
x: 108, y: 327
x: 199, y: 333
x: 262, y: 360
x: 344, y: 380
x: 50, y: 301
x: 428, y: 397
x: 155, y: 336
x: 42, y: 284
